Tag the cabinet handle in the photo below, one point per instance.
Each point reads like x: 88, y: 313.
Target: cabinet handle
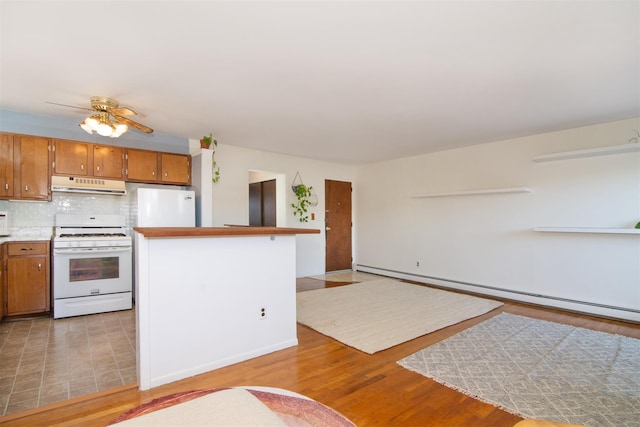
x: 26, y: 188
x: 81, y: 166
x: 39, y: 266
x: 166, y: 174
x: 26, y: 249
x: 153, y: 173
x: 97, y: 168
x: 6, y: 186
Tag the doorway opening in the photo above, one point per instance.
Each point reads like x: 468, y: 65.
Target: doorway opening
x: 267, y: 199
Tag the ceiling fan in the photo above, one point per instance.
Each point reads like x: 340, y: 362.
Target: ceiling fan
x: 108, y: 118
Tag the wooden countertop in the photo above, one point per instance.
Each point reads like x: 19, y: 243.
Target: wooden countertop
x: 151, y: 232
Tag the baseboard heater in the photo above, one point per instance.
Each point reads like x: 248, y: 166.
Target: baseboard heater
x: 635, y: 313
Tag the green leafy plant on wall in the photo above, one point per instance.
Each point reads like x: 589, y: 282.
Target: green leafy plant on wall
x: 300, y: 208
x: 206, y: 142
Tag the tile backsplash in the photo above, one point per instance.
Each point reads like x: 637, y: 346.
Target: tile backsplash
x: 42, y: 214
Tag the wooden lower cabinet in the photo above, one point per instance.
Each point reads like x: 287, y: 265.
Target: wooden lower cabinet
x: 3, y: 283
x: 27, y: 278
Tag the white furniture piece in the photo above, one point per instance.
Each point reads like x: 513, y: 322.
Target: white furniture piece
x: 211, y: 297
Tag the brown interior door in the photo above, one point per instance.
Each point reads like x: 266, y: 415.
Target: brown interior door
x: 255, y: 204
x: 262, y: 203
x: 269, y: 203
x: 337, y: 225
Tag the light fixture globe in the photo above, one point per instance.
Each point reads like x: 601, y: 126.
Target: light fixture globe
x: 119, y: 129
x: 86, y: 128
x: 92, y: 122
x: 105, y: 128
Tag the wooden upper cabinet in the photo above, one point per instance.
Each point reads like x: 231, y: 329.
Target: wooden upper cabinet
x: 108, y: 161
x: 142, y: 165
x: 157, y: 167
x: 71, y: 158
x: 6, y: 165
x: 27, y: 163
x: 176, y: 168
x: 31, y: 172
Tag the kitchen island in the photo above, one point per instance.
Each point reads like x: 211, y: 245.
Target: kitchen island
x: 208, y: 297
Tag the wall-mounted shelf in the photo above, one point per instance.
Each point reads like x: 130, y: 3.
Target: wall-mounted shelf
x: 588, y: 230
x: 589, y: 152
x: 476, y: 192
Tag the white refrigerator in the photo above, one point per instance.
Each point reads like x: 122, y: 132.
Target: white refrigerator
x: 165, y: 208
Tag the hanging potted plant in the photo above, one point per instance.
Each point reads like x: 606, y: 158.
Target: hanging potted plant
x: 303, y: 193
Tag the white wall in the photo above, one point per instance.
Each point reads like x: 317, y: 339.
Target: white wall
x: 488, y: 240
x: 231, y: 195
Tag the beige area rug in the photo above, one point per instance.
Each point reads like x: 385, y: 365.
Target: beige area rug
x: 375, y: 315
x: 539, y: 369
x: 347, y: 276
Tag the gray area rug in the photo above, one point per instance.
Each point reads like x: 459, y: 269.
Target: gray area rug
x: 378, y: 314
x: 539, y: 369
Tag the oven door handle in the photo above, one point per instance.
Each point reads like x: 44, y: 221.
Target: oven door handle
x: 111, y: 250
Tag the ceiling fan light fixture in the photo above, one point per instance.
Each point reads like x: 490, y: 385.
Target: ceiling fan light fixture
x: 106, y: 118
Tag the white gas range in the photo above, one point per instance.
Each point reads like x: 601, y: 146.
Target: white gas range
x: 92, y: 265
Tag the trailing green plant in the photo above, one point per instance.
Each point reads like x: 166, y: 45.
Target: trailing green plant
x: 215, y: 169
x: 206, y: 142
x: 300, y: 208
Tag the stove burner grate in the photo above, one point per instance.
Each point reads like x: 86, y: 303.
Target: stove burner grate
x: 67, y: 235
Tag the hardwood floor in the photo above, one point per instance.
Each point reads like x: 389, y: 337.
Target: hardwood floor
x: 371, y: 390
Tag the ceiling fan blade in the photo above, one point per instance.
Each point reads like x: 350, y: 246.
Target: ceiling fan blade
x: 123, y: 111
x: 133, y: 124
x: 70, y: 106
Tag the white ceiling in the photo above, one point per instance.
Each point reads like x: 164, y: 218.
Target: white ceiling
x: 344, y: 81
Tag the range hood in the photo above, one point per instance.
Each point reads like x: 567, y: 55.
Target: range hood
x: 74, y: 184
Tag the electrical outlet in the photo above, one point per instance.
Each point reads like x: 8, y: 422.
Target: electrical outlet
x: 263, y: 313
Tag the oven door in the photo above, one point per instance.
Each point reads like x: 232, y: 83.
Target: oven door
x: 91, y: 271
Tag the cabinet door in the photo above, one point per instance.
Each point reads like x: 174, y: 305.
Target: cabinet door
x: 3, y: 283
x: 142, y: 165
x: 71, y: 158
x: 32, y: 174
x: 6, y: 166
x: 108, y: 161
x: 27, y: 285
x: 176, y: 168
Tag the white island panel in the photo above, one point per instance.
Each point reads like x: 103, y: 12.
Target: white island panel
x: 200, y: 302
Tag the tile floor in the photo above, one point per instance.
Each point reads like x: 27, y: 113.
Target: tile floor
x: 44, y: 361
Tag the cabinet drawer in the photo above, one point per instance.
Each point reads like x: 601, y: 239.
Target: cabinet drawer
x: 27, y: 248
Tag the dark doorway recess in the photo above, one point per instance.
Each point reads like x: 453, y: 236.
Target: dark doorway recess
x: 262, y: 203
